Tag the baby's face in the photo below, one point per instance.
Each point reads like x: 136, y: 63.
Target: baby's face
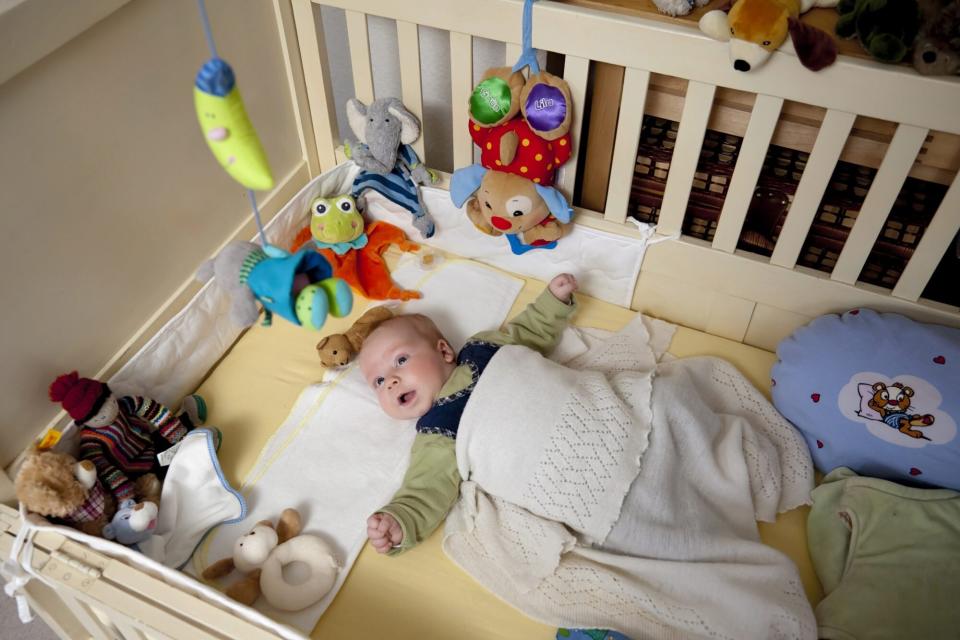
x: 405, y: 369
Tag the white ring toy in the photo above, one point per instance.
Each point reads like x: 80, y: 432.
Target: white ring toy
x: 313, y: 552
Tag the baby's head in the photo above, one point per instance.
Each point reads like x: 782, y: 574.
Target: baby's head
x: 406, y: 361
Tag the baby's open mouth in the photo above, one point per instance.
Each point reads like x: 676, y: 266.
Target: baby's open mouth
x: 407, y: 397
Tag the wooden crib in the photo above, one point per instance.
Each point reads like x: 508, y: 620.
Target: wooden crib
x: 620, y: 68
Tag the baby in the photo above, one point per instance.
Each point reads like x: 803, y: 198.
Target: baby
x: 416, y: 374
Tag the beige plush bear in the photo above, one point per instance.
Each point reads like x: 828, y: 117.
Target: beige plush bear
x: 338, y: 349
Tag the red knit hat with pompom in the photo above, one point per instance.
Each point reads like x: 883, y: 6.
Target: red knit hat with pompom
x: 81, y: 397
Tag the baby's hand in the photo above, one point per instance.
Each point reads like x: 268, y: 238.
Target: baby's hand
x: 383, y: 531
x: 562, y: 286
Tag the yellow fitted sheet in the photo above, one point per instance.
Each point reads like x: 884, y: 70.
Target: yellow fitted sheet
x: 421, y: 594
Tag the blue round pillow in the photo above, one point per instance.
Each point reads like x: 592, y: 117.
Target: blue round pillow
x: 876, y: 392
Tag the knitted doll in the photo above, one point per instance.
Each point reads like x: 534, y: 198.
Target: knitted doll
x: 122, y: 436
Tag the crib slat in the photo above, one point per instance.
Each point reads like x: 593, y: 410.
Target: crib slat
x: 359, y: 39
x: 408, y: 41
x: 319, y: 90
x: 575, y: 72
x: 461, y: 86
x: 813, y: 184
x: 763, y: 120
x: 936, y: 240
x: 127, y: 630
x: 686, y: 153
x: 91, y: 623
x: 629, y: 122
x: 886, y: 185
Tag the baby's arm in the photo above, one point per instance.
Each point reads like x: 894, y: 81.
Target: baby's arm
x: 541, y: 324
x: 429, y: 489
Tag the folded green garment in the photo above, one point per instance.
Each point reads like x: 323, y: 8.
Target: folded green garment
x: 888, y: 557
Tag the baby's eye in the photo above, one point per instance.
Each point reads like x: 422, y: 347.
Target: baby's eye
x: 402, y: 360
x: 378, y: 381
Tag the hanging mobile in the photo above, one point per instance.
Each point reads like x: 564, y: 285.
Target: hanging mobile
x: 298, y: 287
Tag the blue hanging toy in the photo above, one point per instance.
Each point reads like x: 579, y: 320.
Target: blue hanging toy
x: 298, y: 287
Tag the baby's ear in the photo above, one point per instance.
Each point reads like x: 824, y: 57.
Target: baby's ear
x: 446, y: 351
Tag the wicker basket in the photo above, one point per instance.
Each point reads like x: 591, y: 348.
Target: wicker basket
x: 914, y: 208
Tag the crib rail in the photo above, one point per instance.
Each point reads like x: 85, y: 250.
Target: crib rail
x: 916, y: 105
x: 81, y: 593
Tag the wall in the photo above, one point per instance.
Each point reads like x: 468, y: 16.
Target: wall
x: 109, y: 199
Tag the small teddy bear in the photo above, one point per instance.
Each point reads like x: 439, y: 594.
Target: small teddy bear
x: 338, y: 349
x: 122, y: 436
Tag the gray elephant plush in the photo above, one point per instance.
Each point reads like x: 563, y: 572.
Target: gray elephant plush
x: 298, y: 286
x: 384, y: 132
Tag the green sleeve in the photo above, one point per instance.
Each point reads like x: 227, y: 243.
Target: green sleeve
x: 538, y: 327
x: 429, y: 489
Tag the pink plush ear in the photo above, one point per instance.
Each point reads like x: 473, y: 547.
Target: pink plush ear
x: 815, y: 47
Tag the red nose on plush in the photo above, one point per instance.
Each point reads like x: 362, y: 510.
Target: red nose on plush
x: 940, y: 360
x: 815, y: 397
x: 500, y: 223
x: 819, y: 444
x: 915, y: 472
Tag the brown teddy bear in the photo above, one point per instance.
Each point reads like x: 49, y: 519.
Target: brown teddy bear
x: 57, y: 486
x: 338, y: 349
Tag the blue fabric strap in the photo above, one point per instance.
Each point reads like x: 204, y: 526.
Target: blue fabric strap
x: 529, y: 57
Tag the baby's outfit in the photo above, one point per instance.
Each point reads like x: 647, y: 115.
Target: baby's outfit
x: 432, y: 482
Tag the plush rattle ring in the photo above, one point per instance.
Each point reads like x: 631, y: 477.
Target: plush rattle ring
x: 313, y: 552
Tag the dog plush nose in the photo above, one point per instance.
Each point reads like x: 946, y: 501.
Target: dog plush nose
x: 741, y: 65
x: 500, y: 223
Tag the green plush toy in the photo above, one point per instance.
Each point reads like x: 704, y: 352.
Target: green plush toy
x: 886, y: 28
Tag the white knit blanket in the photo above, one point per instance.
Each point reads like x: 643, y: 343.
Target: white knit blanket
x: 675, y: 553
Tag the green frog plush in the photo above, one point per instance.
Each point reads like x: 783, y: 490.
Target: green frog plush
x: 336, y: 224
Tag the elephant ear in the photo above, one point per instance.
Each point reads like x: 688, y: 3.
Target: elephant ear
x: 357, y: 116
x: 409, y: 123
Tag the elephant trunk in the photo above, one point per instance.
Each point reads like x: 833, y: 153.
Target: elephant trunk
x: 384, y: 146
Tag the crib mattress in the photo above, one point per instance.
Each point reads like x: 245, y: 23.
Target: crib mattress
x: 422, y: 594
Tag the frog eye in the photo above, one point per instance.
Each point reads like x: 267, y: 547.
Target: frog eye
x: 345, y: 205
x: 321, y: 208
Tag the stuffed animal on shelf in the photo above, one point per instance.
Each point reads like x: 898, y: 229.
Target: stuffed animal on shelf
x: 885, y: 29
x: 134, y: 522
x: 261, y: 555
x: 530, y: 215
x: 338, y: 349
x: 936, y: 50
x: 678, y: 7
x: 298, y: 287
x: 122, y: 436
x: 757, y: 28
x: 364, y: 268
x: 384, y: 132
x: 336, y: 224
x: 57, y: 485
